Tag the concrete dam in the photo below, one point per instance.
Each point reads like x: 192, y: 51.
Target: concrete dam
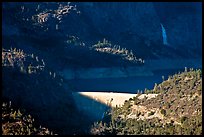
x: 94, y: 104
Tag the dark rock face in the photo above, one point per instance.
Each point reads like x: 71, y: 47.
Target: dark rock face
x: 136, y: 26
x: 183, y: 22
x: 118, y: 21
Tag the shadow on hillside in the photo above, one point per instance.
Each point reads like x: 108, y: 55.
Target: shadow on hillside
x: 89, y: 110
x: 87, y: 105
x: 49, y: 104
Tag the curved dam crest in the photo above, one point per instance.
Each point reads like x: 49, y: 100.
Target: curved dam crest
x: 96, y: 103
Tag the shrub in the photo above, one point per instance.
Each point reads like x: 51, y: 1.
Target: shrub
x: 130, y: 99
x: 163, y: 112
x: 183, y: 119
x: 138, y: 113
x: 136, y: 102
x: 150, y: 113
x: 17, y: 123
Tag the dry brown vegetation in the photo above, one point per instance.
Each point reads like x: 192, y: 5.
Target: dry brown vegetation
x: 177, y: 109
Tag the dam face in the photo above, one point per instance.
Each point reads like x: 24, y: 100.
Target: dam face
x: 94, y: 104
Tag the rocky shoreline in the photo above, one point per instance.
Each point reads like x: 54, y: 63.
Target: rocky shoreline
x: 116, y: 72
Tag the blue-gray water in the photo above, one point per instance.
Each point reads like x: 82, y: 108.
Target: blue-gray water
x: 129, y: 84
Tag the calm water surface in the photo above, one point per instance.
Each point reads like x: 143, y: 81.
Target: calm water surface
x: 128, y: 84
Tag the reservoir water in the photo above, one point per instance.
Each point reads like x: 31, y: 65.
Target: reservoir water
x: 122, y: 84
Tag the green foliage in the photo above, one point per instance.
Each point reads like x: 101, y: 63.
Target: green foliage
x: 136, y: 99
x: 163, y: 112
x: 180, y: 94
x: 192, y: 126
x: 14, y: 122
x: 183, y: 119
x: 19, y: 59
x: 151, y: 113
x: 131, y: 99
x: 106, y: 47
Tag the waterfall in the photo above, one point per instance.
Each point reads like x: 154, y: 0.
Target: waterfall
x: 164, y: 36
